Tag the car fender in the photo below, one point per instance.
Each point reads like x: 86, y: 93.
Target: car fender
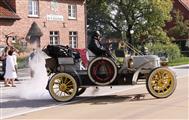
x: 138, y: 70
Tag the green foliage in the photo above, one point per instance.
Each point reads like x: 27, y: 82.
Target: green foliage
x: 181, y: 27
x: 18, y: 45
x: 97, y: 15
x: 145, y: 17
x: 179, y: 61
x: 172, y: 50
x: 22, y: 62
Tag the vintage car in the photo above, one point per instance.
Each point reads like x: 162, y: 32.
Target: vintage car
x: 70, y: 77
x: 1, y: 62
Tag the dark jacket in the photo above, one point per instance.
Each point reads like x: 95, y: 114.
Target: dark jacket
x: 96, y: 47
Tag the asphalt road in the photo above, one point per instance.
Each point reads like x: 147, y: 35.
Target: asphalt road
x: 105, y: 103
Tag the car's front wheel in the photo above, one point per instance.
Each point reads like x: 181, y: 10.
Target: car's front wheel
x: 161, y: 82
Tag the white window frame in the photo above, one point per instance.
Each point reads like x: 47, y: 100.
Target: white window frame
x: 72, y: 12
x: 55, y: 38
x: 73, y: 39
x: 33, y: 8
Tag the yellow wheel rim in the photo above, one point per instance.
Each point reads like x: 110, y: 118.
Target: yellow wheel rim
x: 161, y: 83
x: 63, y: 87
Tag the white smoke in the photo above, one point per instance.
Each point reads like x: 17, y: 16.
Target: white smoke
x: 35, y: 87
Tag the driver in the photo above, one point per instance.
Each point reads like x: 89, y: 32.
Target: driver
x: 95, y: 46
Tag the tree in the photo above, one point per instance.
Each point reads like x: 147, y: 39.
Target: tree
x: 181, y: 26
x: 97, y: 15
x: 145, y: 17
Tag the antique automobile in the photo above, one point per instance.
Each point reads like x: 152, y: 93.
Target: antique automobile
x: 70, y: 76
x: 2, y: 48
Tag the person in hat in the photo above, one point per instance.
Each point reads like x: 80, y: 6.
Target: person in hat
x: 95, y: 46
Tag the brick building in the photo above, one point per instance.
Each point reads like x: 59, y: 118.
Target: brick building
x: 183, y: 7
x: 60, y: 21
x: 182, y: 40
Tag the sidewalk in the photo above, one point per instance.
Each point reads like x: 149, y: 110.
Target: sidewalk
x: 181, y: 66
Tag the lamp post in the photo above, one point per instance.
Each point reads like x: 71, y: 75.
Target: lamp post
x: 131, y: 32
x: 131, y: 35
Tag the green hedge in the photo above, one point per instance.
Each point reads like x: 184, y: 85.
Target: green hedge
x: 22, y: 62
x: 179, y: 61
x: 172, y: 50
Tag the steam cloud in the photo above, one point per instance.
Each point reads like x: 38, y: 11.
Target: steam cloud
x: 35, y: 88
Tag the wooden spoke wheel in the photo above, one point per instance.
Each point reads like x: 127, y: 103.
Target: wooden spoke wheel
x: 161, y: 82
x: 63, y: 87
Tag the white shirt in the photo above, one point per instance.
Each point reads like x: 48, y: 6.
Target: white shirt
x: 10, y: 72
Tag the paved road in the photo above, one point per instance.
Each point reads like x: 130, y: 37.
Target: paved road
x: 115, y: 103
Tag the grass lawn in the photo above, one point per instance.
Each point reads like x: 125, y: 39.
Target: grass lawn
x: 179, y: 61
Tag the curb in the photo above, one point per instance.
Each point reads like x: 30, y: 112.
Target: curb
x: 186, y: 65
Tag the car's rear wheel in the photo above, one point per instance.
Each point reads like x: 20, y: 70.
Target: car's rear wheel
x: 63, y: 87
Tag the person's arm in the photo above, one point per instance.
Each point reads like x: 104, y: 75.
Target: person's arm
x: 16, y: 69
x: 15, y: 62
x: 98, y: 44
x: 3, y: 56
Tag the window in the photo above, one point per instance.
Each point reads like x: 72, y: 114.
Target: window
x: 72, y: 11
x: 73, y: 39
x: 54, y: 37
x: 33, y: 9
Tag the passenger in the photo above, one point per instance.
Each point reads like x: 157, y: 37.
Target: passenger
x: 11, y: 71
x: 95, y: 46
x: 31, y: 56
x: 3, y: 58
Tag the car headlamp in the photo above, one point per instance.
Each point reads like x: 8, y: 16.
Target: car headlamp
x: 130, y: 63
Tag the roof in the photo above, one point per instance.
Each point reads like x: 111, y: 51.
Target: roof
x: 185, y: 3
x: 6, y: 12
x: 34, y: 31
x: 183, y: 7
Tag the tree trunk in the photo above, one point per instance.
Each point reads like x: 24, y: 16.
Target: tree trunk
x: 129, y: 37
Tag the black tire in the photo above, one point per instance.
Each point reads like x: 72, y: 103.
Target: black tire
x: 49, y: 71
x: 161, y: 82
x: 80, y: 91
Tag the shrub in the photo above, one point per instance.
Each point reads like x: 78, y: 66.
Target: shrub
x: 172, y: 50
x: 179, y: 61
x: 22, y: 62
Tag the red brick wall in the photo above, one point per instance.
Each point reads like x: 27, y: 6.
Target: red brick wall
x: 22, y: 26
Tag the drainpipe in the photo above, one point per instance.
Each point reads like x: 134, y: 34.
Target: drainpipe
x: 85, y: 11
